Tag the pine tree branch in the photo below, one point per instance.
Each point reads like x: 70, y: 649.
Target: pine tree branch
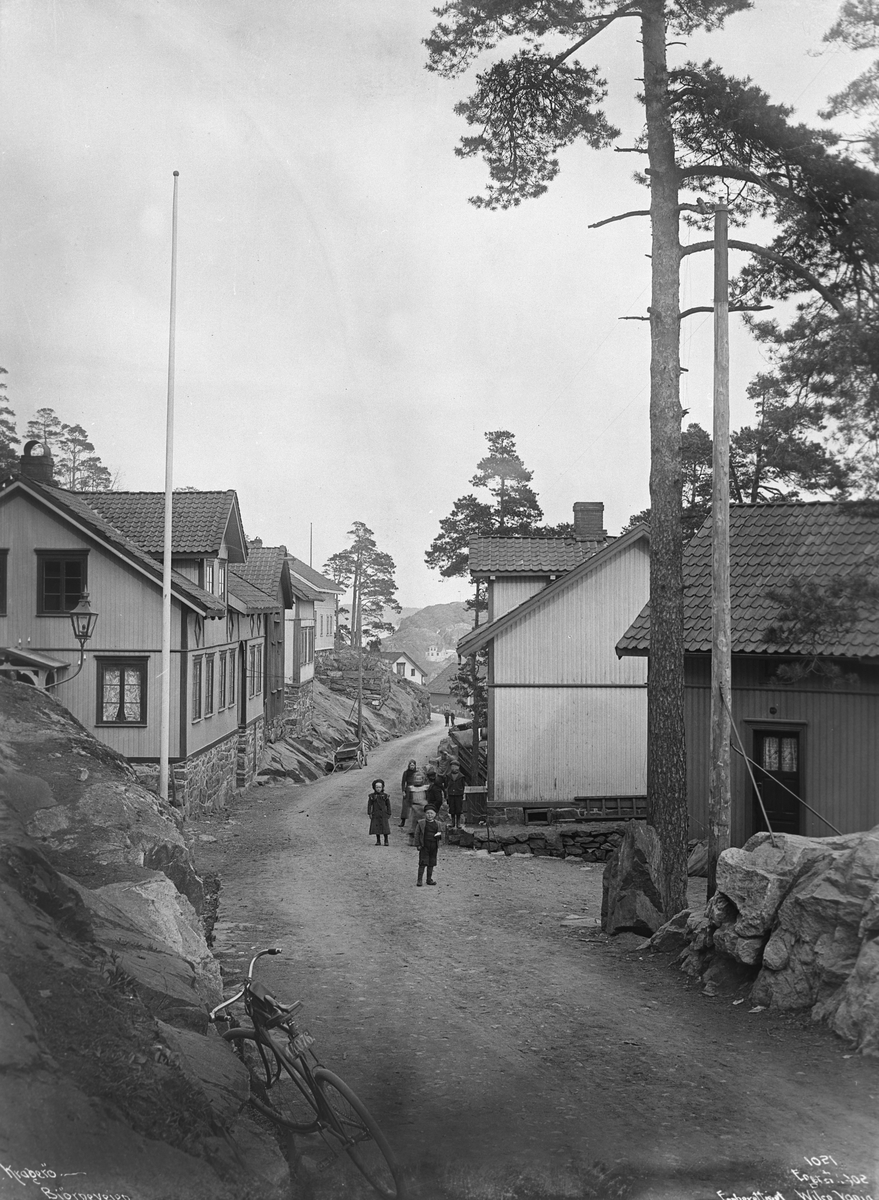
x: 637, y: 212
x: 780, y: 260
x: 709, y: 308
x: 626, y: 10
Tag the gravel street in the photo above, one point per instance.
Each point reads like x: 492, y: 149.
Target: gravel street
x: 509, y: 1052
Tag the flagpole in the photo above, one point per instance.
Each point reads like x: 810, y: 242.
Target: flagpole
x: 165, y: 725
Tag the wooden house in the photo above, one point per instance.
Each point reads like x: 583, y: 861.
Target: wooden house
x: 326, y: 595
x: 266, y: 575
x: 805, y: 706
x: 405, y: 666
x: 56, y: 545
x: 566, y: 718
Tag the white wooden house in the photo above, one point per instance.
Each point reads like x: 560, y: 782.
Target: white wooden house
x: 405, y: 666
x: 325, y: 595
x: 567, y: 720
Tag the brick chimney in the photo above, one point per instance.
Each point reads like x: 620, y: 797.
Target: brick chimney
x: 589, y: 520
x: 37, y: 463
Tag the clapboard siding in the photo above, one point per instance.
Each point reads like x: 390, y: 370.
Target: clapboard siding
x: 552, y: 744
x: 838, y: 745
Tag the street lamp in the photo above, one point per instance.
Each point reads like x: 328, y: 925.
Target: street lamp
x: 83, y: 622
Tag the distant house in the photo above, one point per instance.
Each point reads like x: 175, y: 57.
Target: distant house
x: 566, y: 719
x: 326, y: 595
x: 440, y: 688
x: 405, y: 666
x: 56, y: 545
x: 810, y: 730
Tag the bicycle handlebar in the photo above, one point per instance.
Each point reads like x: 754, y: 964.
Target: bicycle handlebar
x: 232, y: 999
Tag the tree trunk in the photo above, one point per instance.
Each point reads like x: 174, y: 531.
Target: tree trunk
x: 666, y: 751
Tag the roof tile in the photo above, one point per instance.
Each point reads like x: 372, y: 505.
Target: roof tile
x: 769, y: 543
x: 530, y: 555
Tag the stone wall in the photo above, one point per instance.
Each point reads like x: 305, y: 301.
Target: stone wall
x: 251, y: 743
x: 338, y: 670
x: 591, y: 841
x: 298, y: 709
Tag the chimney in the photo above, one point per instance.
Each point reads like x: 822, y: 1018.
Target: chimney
x: 36, y: 463
x: 589, y: 520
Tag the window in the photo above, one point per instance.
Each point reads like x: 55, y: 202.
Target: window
x: 221, y: 702
x: 412, y: 672
x: 122, y: 689
x: 4, y: 556
x: 196, y: 689
x: 221, y: 573
x: 259, y: 671
x: 232, y: 676
x: 61, y: 581
x: 208, y: 685
x: 251, y: 669
x: 400, y: 668
x: 306, y: 645
x: 321, y: 624
x: 208, y: 575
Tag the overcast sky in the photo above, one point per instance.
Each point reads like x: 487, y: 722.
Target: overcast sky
x: 348, y: 326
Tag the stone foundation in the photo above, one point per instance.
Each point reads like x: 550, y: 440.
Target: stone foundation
x: 251, y: 744
x: 591, y: 841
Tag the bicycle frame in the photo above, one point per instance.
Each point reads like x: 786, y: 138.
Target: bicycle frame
x: 294, y: 1056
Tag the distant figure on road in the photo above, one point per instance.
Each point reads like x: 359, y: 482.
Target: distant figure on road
x: 427, y: 839
x: 407, y: 779
x: 447, y: 713
x: 417, y: 801
x: 378, y: 809
x: 455, y: 794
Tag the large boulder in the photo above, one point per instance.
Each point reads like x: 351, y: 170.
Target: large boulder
x: 631, y: 886
x: 800, y: 917
x: 80, y: 800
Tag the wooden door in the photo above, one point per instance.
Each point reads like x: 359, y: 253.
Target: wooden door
x: 779, y: 781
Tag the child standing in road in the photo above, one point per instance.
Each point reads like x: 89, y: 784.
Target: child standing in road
x: 427, y: 839
x: 378, y: 809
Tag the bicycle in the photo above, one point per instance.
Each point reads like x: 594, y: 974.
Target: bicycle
x: 288, y: 1085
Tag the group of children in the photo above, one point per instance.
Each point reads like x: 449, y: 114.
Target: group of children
x: 423, y: 797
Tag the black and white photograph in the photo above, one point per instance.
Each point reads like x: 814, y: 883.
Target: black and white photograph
x: 439, y: 600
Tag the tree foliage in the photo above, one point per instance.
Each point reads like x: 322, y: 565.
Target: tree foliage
x: 814, y: 615
x: 512, y: 510
x: 77, y: 466
x: 9, y: 439
x: 369, y: 573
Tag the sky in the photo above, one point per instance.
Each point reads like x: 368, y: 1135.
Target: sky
x: 348, y: 326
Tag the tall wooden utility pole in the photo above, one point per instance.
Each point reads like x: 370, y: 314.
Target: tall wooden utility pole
x: 721, y: 661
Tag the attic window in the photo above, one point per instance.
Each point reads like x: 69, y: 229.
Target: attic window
x: 208, y: 575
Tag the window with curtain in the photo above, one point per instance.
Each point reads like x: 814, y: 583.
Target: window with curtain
x: 122, y: 691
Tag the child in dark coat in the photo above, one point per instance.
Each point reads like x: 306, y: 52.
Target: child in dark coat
x: 427, y: 839
x: 378, y: 809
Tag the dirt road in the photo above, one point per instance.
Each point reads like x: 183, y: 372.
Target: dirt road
x: 509, y: 1055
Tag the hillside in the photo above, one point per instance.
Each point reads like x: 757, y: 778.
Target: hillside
x: 431, y: 634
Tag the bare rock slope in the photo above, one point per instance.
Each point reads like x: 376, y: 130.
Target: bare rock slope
x: 109, y: 1076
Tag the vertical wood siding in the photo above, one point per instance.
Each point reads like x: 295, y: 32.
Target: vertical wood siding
x: 839, y: 766
x: 552, y: 744
x: 508, y: 593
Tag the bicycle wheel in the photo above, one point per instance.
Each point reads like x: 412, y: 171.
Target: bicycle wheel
x: 353, y: 1131
x: 276, y: 1088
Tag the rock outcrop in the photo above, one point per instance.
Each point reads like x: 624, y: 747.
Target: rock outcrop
x: 631, y: 895
x: 107, y: 1074
x: 799, y: 918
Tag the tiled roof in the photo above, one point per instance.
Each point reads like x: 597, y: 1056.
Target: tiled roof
x: 530, y: 555
x: 253, y: 598
x: 769, y: 543
x: 75, y: 503
x: 309, y: 575
x: 263, y: 567
x: 198, y: 523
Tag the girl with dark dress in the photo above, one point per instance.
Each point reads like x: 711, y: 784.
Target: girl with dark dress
x: 407, y: 779
x: 378, y: 809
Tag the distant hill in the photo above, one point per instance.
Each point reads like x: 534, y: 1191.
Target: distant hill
x: 431, y: 634
x: 394, y: 618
